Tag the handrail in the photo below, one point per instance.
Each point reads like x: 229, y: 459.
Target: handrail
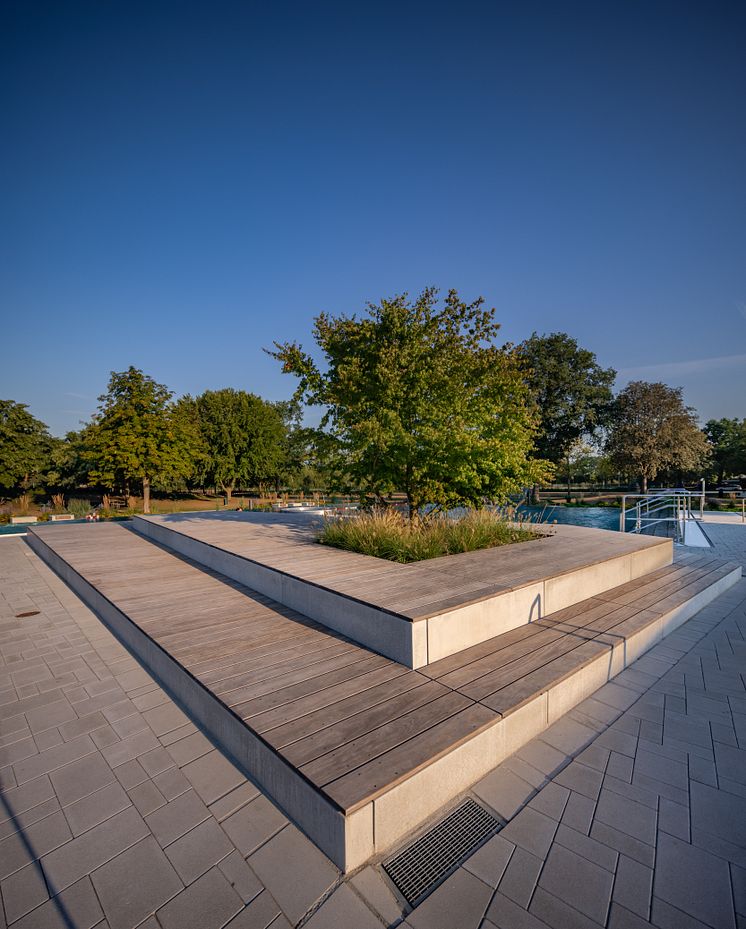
x: 644, y: 511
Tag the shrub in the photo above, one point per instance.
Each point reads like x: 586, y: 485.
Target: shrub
x: 78, y: 507
x: 388, y: 534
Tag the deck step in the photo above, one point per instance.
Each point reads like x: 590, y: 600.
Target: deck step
x: 356, y: 748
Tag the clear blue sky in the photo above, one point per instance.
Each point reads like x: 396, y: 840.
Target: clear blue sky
x: 182, y: 183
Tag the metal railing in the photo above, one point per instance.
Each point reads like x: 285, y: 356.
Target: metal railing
x: 668, y: 509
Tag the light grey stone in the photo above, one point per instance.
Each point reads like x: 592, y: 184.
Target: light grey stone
x: 578, y: 882
x: 461, y: 901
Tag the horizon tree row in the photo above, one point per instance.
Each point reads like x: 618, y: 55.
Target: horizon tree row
x: 417, y: 398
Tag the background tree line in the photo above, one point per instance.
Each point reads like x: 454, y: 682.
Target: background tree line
x: 417, y: 398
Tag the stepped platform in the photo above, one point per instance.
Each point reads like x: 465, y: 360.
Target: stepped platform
x: 415, y: 613
x: 356, y: 748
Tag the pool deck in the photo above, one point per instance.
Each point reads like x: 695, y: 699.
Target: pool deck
x: 356, y: 748
x: 599, y: 833
x: 415, y: 613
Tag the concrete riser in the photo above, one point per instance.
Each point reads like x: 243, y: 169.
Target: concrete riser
x: 415, y: 644
x: 350, y: 841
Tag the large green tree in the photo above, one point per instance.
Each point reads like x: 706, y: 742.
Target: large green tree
x: 653, y: 431
x: 24, y: 450
x: 727, y: 438
x: 67, y: 467
x: 243, y: 438
x: 136, y: 438
x: 419, y: 399
x: 572, y: 392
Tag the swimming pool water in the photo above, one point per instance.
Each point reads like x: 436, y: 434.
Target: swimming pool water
x: 595, y: 517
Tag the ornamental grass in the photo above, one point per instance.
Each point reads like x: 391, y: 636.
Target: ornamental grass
x: 389, y: 534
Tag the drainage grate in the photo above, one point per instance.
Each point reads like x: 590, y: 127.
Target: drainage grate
x: 429, y: 859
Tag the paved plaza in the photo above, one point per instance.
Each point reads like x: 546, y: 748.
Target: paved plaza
x: 115, y: 811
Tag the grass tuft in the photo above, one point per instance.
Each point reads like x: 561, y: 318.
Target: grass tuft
x: 388, y: 534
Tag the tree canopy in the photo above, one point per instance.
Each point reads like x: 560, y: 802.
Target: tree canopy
x: 727, y: 438
x: 136, y: 438
x: 243, y: 438
x: 572, y: 392
x: 418, y: 399
x: 653, y: 431
x: 24, y: 448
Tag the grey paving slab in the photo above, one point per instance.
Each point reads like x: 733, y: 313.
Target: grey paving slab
x: 213, y: 776
x: 491, y: 860
x: 23, y: 891
x: 694, y: 881
x: 461, y: 901
x: 504, y: 791
x: 520, y: 876
x: 558, y: 914
x: 81, y: 778
x: 254, y: 824
x: 532, y: 831
x: 135, y: 884
x: 586, y: 847
x: 343, y: 908
x: 290, y: 852
x: 377, y: 893
x: 178, y: 817
x: 78, y: 906
x: 208, y: 903
x: 626, y: 815
x: 503, y: 913
x: 198, y: 850
x: 240, y: 876
x: 633, y: 886
x: 262, y: 912
x: 96, y: 807
x: 578, y: 882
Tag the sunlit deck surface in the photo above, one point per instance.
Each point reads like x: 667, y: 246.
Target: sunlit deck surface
x: 350, y: 723
x: 286, y: 543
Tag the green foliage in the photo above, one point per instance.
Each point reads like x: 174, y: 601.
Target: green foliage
x: 67, y: 467
x: 24, y: 449
x: 242, y: 438
x: 136, y: 437
x: 653, y: 431
x: 418, y: 399
x: 571, y: 390
x: 80, y: 508
x: 387, y: 534
x: 727, y: 438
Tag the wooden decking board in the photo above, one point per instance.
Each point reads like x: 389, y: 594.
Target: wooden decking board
x: 335, y: 735
x: 353, y: 790
x: 353, y: 723
x: 362, y: 749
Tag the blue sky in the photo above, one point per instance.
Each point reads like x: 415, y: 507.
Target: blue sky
x: 181, y: 184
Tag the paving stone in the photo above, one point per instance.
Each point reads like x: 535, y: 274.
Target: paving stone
x: 262, y: 912
x: 617, y: 740
x: 558, y: 914
x: 632, y: 791
x: 578, y: 882
x: 543, y: 756
x: 666, y: 916
x: 504, y: 791
x: 662, y: 769
x: 532, y: 831
x: 460, y: 901
x: 568, y: 736
x: 53, y: 758
x: 525, y: 771
x: 520, y: 877
x: 176, y: 818
x: 730, y: 762
x: 207, y: 904
x: 254, y: 824
x: 290, y: 852
x: 624, y: 814
x: 76, y: 906
x: 171, y: 783
x: 42, y: 837
x: 503, y: 913
x: 212, y: 776
x: 198, y: 850
x: 23, y: 798
x: 345, y: 908
x: 240, y: 876
x: 622, y: 918
x: 623, y: 843
x: 165, y: 718
x: 146, y: 797
x: 77, y: 727
x: 82, y: 855
x: 81, y: 778
x: 54, y: 714
x: 47, y: 739
x: 587, y: 847
x: 233, y: 801
x: 673, y: 819
x: 551, y: 801
x: 130, y: 774
x: 96, y: 807
x: 135, y: 883
x: 156, y: 761
x: 377, y: 893
x: 582, y: 779
x: 595, y: 756
x: 662, y: 788
x: 718, y: 812
x: 694, y: 881
x: 633, y: 886
x: 186, y: 750
x: 578, y: 813
x: 490, y: 861
x: 127, y: 749
x: 620, y: 766
x: 23, y: 891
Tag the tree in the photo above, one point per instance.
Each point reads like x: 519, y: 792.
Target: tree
x: 418, y: 399
x: 67, y: 467
x: 242, y: 437
x: 24, y: 449
x: 652, y: 431
x: 136, y: 438
x: 572, y: 392
x: 727, y: 438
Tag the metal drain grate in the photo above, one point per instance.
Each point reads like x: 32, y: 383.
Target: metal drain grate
x: 428, y: 860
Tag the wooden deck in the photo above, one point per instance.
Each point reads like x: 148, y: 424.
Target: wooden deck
x: 350, y: 723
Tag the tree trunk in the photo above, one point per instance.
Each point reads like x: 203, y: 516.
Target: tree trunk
x: 228, y: 491
x: 58, y: 501
x: 644, y: 483
x: 569, y: 480
x: 146, y: 495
